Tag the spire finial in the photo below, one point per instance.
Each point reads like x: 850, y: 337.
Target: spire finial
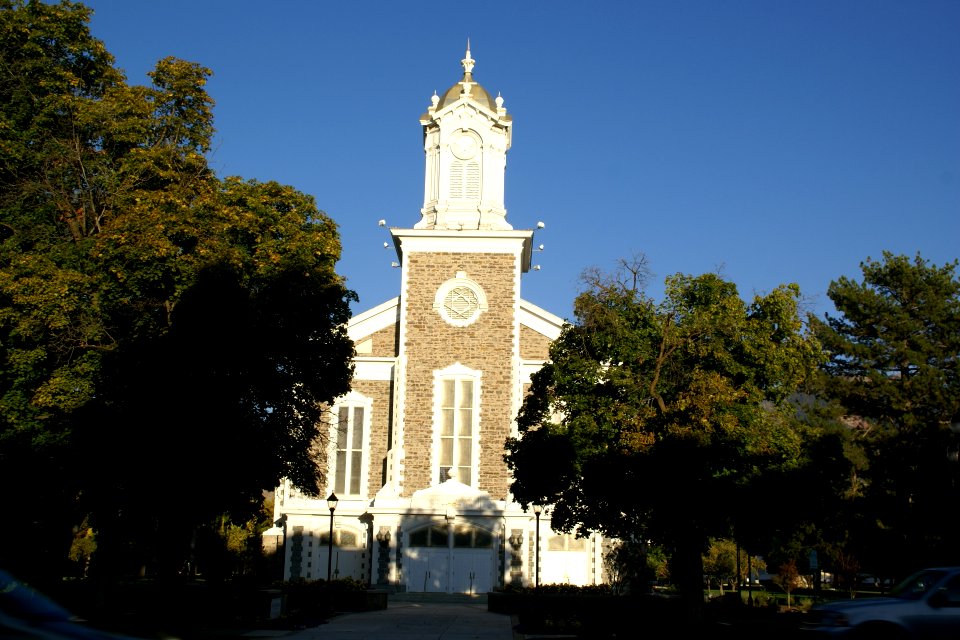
x: 467, y: 61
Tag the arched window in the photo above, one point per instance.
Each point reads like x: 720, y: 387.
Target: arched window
x: 344, y: 538
x: 433, y: 536
x: 566, y: 542
x: 350, y: 432
x: 465, y: 536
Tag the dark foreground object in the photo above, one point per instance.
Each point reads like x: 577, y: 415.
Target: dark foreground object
x: 599, y: 617
x: 185, y: 610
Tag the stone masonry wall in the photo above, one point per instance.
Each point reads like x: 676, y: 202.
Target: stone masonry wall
x: 385, y: 342
x: 380, y: 427
x: 486, y: 345
x: 533, y: 345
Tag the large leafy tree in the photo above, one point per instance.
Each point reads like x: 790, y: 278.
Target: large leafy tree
x: 892, y: 366
x: 652, y: 420
x: 168, y: 338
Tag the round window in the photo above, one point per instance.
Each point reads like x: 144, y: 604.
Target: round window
x: 460, y: 301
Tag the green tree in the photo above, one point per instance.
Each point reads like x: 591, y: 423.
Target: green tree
x: 892, y: 366
x: 726, y: 563
x: 814, y: 503
x: 634, y: 566
x: 720, y: 562
x: 651, y: 420
x: 168, y: 338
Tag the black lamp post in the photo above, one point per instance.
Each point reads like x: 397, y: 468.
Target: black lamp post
x: 537, y: 509
x: 332, y: 505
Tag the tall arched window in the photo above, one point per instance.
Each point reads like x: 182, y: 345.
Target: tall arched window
x: 457, y: 390
x: 351, y: 420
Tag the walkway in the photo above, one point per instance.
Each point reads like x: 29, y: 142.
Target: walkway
x: 411, y: 620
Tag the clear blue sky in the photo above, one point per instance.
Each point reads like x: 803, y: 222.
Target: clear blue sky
x: 771, y: 141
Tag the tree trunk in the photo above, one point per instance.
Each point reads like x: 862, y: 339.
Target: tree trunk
x: 686, y: 569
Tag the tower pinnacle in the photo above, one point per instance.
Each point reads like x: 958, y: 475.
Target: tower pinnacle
x: 468, y: 62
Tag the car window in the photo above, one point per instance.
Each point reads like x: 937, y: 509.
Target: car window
x: 917, y: 585
x: 952, y: 591
x: 16, y: 598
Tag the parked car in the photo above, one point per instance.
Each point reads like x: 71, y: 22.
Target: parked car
x: 27, y: 614
x: 924, y: 606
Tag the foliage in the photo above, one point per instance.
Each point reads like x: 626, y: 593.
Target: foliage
x: 633, y: 566
x: 82, y: 548
x: 562, y: 589
x: 319, y: 587
x: 721, y: 562
x: 153, y: 317
x: 788, y: 578
x: 656, y: 419
x: 846, y: 572
x: 892, y: 368
x: 242, y: 545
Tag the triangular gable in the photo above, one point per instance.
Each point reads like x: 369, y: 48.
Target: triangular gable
x: 369, y: 322
x: 540, y: 320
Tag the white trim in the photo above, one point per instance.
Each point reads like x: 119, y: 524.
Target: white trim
x: 369, y: 322
x: 516, y: 390
x: 540, y: 320
x: 528, y: 368
x: 465, y: 241
x: 374, y: 369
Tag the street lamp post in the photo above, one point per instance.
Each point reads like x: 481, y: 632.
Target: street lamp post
x: 537, y: 509
x: 332, y: 505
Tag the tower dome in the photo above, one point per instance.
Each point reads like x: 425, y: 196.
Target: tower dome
x: 467, y: 86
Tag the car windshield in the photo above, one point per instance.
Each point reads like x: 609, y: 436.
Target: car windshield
x: 24, y: 601
x: 917, y: 585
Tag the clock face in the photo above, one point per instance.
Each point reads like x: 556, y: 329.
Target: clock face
x: 464, y: 147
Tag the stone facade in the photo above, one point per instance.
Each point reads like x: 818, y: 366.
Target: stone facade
x: 533, y: 345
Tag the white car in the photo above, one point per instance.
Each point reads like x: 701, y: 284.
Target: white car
x: 924, y: 606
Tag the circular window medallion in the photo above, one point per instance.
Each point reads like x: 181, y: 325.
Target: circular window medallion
x: 460, y: 301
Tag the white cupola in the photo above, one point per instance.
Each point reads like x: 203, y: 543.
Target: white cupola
x: 466, y: 135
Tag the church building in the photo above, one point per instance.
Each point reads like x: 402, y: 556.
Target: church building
x: 419, y: 490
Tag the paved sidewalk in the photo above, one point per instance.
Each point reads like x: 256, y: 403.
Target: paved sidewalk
x: 409, y: 621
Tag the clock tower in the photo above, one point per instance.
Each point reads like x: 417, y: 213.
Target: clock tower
x: 466, y: 135
x: 459, y: 360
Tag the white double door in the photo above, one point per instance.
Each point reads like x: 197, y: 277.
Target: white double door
x: 450, y: 570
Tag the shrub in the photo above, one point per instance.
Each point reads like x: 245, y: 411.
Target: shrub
x: 562, y: 589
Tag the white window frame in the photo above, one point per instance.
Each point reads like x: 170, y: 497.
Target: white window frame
x: 456, y: 373
x: 350, y: 401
